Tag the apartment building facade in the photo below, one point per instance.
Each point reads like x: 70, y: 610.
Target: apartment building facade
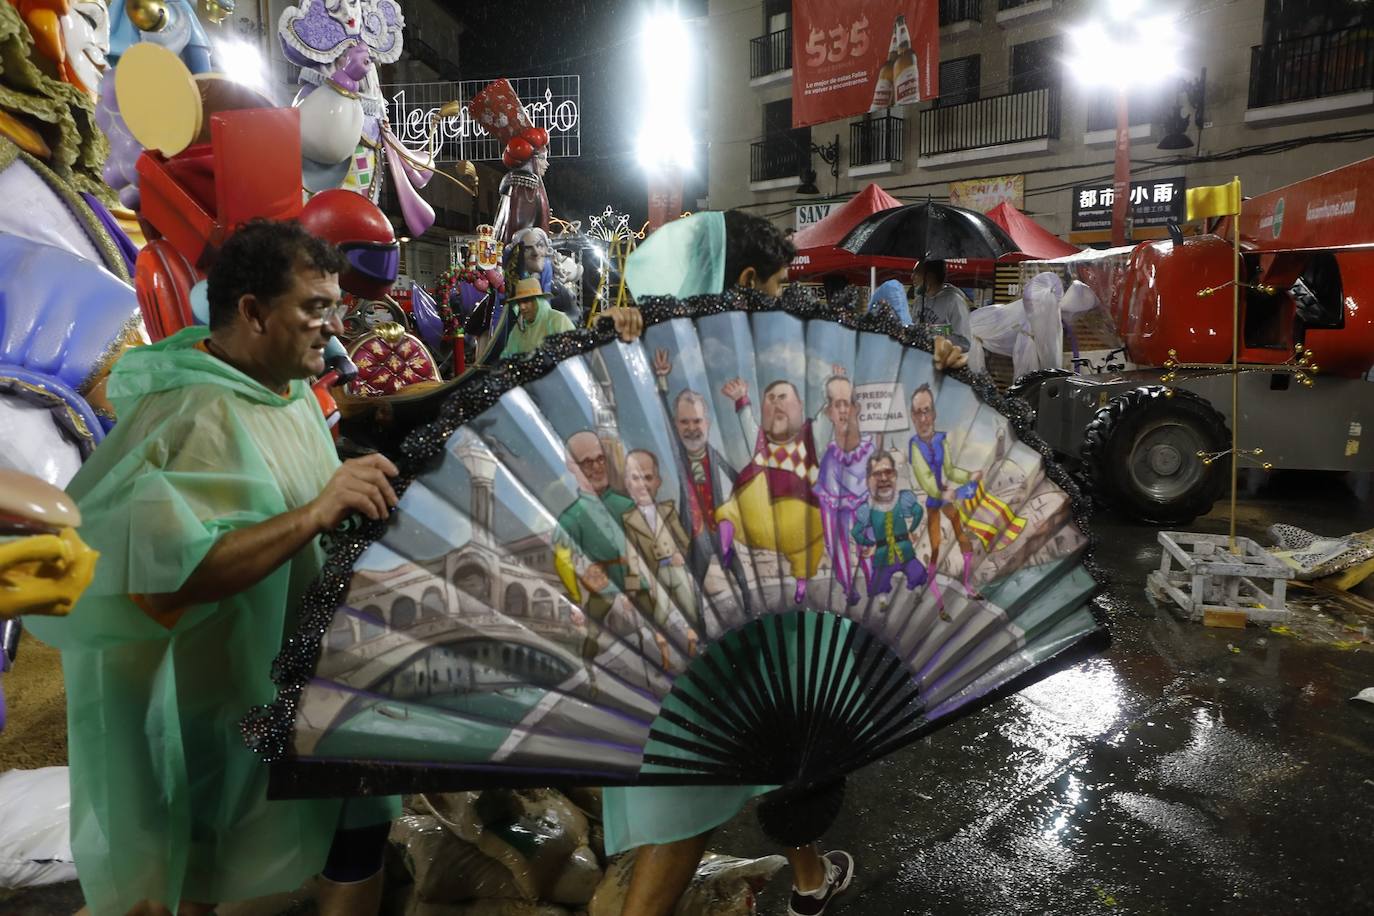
x: 1286, y: 90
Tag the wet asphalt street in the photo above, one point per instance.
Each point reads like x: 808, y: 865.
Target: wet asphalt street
x: 1188, y: 770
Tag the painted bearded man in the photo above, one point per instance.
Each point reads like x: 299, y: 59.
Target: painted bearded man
x: 774, y: 506
x: 842, y: 487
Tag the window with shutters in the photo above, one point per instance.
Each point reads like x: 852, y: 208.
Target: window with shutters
x: 1036, y: 64
x: 959, y: 80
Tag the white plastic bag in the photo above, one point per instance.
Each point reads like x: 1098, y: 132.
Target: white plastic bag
x: 35, y: 837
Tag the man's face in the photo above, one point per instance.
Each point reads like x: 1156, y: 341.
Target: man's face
x: 86, y: 35
x: 774, y: 284
x: 840, y: 405
x: 590, y: 459
x: 782, y: 413
x: 882, y: 481
x: 923, y: 414
x: 298, y: 323
x: 692, y: 425
x: 528, y: 307
x: 642, y: 480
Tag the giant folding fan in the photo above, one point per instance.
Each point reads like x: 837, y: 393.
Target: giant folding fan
x: 765, y: 544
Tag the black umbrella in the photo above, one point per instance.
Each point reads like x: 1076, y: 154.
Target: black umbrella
x: 929, y: 231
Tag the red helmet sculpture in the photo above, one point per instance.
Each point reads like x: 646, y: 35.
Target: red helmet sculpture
x: 364, y: 235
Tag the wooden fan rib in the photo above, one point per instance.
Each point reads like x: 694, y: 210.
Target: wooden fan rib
x: 703, y: 743
x: 713, y: 712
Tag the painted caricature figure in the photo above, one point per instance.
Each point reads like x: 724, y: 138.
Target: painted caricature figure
x: 841, y: 487
x: 774, y: 506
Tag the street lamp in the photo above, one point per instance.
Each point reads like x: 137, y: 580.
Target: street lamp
x: 830, y: 155
x: 664, y: 146
x: 1124, y: 48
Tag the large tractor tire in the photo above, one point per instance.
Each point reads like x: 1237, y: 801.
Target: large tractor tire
x: 1140, y: 455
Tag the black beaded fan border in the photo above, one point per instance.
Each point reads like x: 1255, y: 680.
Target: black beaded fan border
x: 267, y: 729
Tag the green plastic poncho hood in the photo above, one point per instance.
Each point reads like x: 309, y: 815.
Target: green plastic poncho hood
x: 167, y: 802
x: 175, y: 363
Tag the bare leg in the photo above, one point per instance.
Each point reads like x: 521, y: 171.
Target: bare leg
x: 356, y: 898
x: 808, y: 869
x: 661, y: 874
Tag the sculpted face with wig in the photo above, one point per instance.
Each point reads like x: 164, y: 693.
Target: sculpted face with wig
x: 72, y: 37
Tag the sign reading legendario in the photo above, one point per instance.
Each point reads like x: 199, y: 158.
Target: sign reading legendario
x: 852, y: 56
x: 552, y: 102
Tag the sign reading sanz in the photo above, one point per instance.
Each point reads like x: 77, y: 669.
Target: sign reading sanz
x: 810, y: 214
x: 1154, y: 202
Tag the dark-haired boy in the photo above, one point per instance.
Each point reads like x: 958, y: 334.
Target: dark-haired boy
x: 206, y: 503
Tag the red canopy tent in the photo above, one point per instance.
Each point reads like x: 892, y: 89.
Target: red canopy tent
x: 817, y: 251
x: 1029, y: 236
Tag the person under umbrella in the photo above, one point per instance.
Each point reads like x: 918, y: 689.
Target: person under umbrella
x: 940, y: 306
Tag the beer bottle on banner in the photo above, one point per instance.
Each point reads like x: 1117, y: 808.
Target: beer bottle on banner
x: 883, y: 93
x: 906, y: 76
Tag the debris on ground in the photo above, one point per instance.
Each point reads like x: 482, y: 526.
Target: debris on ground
x: 539, y: 852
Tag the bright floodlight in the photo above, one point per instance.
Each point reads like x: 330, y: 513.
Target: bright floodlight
x: 668, y: 75
x: 242, y: 62
x: 1125, y: 51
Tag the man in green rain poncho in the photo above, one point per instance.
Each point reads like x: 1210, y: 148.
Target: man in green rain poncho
x: 206, y: 503
x: 535, y: 319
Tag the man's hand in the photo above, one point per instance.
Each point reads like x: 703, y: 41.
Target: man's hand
x: 679, y: 560
x: 629, y: 322
x: 735, y: 389
x: 949, y: 494
x: 359, y: 485
x: 949, y: 356
x: 662, y: 365
x: 976, y: 477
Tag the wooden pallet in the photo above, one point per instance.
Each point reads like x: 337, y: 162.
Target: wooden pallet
x: 1218, y: 587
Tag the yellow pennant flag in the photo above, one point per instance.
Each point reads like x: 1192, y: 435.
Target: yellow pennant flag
x: 1217, y: 200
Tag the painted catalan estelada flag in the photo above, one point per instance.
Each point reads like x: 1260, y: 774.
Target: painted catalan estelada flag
x: 1216, y: 200
x: 998, y: 525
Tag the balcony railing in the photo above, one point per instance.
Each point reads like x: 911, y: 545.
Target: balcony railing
x: 1331, y: 63
x: 876, y: 140
x: 995, y: 121
x: 780, y: 156
x: 770, y: 53
x: 952, y: 11
x: 1102, y: 111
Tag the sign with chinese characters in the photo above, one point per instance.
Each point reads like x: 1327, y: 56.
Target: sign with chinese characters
x: 810, y: 214
x: 982, y: 194
x: 853, y: 56
x: 1154, y: 202
x: 552, y: 102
